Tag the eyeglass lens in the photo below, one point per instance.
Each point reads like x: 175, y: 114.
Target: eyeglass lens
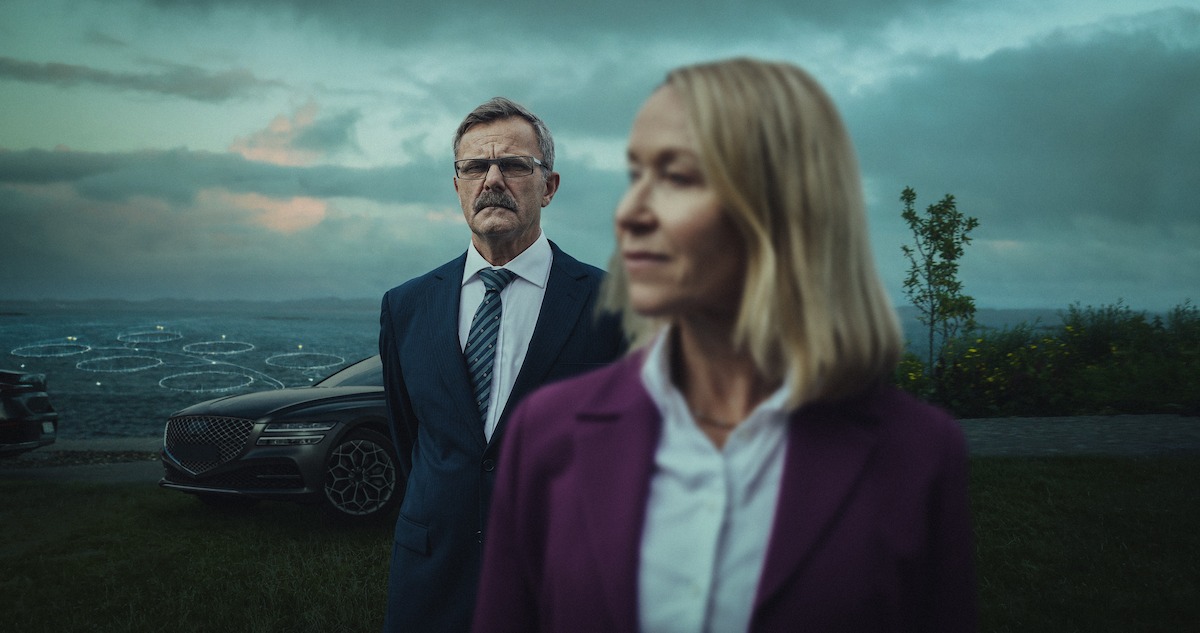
x: 509, y: 166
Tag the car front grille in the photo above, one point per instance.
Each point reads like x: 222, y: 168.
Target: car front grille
x: 200, y: 442
x: 265, y: 476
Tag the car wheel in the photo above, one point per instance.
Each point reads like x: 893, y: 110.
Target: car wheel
x: 361, y: 475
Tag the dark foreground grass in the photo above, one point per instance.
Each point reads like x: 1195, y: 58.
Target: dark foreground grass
x: 1088, y: 544
x: 138, y: 558
x: 1064, y: 544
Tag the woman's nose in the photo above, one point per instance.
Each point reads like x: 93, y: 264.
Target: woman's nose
x: 633, y: 210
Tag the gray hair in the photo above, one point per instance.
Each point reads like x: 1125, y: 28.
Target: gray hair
x: 500, y: 108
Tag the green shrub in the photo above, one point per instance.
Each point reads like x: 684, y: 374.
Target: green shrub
x: 1102, y: 360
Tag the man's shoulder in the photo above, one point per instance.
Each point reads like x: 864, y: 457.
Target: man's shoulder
x: 450, y: 269
x: 572, y: 266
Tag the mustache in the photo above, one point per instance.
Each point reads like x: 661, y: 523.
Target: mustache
x: 495, y: 199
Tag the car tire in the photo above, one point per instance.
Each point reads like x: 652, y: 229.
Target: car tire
x: 362, y: 476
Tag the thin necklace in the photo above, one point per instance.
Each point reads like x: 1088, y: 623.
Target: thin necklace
x: 708, y: 420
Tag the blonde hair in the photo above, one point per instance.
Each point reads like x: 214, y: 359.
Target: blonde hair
x: 813, y: 309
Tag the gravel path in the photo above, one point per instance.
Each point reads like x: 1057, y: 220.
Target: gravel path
x: 1125, y: 435
x: 131, y: 460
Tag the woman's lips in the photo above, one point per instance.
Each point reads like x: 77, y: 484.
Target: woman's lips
x: 636, y: 260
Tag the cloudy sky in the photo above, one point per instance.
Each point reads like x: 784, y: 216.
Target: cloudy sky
x: 285, y: 149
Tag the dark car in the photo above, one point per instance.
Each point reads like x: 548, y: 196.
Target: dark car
x: 27, y: 420
x: 328, y: 443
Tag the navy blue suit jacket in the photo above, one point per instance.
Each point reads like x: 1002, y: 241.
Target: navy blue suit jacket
x: 439, y: 436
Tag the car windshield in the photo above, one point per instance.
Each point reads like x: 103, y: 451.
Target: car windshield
x: 367, y: 372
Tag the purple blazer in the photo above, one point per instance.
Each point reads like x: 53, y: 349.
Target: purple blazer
x: 872, y: 531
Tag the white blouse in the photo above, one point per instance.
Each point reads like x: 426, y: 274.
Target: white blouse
x: 710, y: 511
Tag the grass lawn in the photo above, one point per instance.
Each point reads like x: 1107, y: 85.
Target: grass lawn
x: 1064, y: 544
x: 1087, y: 544
x: 138, y: 558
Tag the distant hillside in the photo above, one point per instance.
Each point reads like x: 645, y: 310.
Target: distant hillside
x: 988, y: 318
x: 240, y: 306
x: 997, y: 317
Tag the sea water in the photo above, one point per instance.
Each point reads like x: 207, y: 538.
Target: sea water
x: 119, y: 369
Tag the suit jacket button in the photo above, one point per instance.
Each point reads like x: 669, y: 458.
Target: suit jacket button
x: 489, y: 464
x: 479, y: 536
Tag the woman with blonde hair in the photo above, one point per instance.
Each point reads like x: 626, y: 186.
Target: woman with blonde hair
x: 748, y: 467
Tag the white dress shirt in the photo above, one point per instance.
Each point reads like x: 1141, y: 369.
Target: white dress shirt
x: 710, y: 511
x: 521, y: 302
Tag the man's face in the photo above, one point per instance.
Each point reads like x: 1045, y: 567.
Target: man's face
x: 504, y: 210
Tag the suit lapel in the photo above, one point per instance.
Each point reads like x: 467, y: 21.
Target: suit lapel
x: 617, y: 434
x: 561, y: 307
x: 827, y: 451
x: 615, y: 445
x: 445, y: 346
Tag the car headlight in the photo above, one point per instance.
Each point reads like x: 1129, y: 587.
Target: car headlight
x: 301, y: 440
x: 293, y: 433
x: 292, y: 427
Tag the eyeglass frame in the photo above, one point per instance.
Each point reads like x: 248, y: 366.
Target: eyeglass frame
x: 537, y: 162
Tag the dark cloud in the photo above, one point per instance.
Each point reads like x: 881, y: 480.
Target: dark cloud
x: 302, y: 138
x: 330, y: 135
x: 140, y: 226
x: 619, y: 89
x: 189, y: 82
x: 636, y: 20
x: 104, y: 40
x: 178, y: 175
x: 1076, y: 152
x: 67, y: 247
x: 1036, y: 138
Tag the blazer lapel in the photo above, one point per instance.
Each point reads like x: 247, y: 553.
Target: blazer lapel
x: 828, y: 448
x: 447, y: 351
x: 615, y: 446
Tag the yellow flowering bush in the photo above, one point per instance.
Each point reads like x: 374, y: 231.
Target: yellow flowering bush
x: 1102, y: 360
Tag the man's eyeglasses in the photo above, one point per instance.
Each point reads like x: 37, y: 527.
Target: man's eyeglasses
x: 510, y: 166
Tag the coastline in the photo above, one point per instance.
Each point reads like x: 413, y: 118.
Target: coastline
x: 148, y: 444
x: 71, y: 454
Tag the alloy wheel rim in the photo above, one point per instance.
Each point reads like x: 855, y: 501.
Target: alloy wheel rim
x: 361, y: 477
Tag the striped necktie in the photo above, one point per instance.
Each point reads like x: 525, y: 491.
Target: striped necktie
x: 481, y: 341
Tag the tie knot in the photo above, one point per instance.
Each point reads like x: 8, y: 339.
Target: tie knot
x: 496, y: 278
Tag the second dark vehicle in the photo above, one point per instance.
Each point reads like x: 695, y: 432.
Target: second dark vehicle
x: 27, y: 419
x: 328, y: 443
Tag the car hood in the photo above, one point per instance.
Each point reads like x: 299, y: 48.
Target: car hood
x: 252, y: 406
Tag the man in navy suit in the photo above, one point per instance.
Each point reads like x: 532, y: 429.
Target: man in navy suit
x: 447, y: 412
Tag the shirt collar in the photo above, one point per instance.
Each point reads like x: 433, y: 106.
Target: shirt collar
x: 656, y: 377
x: 532, y: 265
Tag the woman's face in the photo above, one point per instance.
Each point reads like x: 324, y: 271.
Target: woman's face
x: 682, y: 255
